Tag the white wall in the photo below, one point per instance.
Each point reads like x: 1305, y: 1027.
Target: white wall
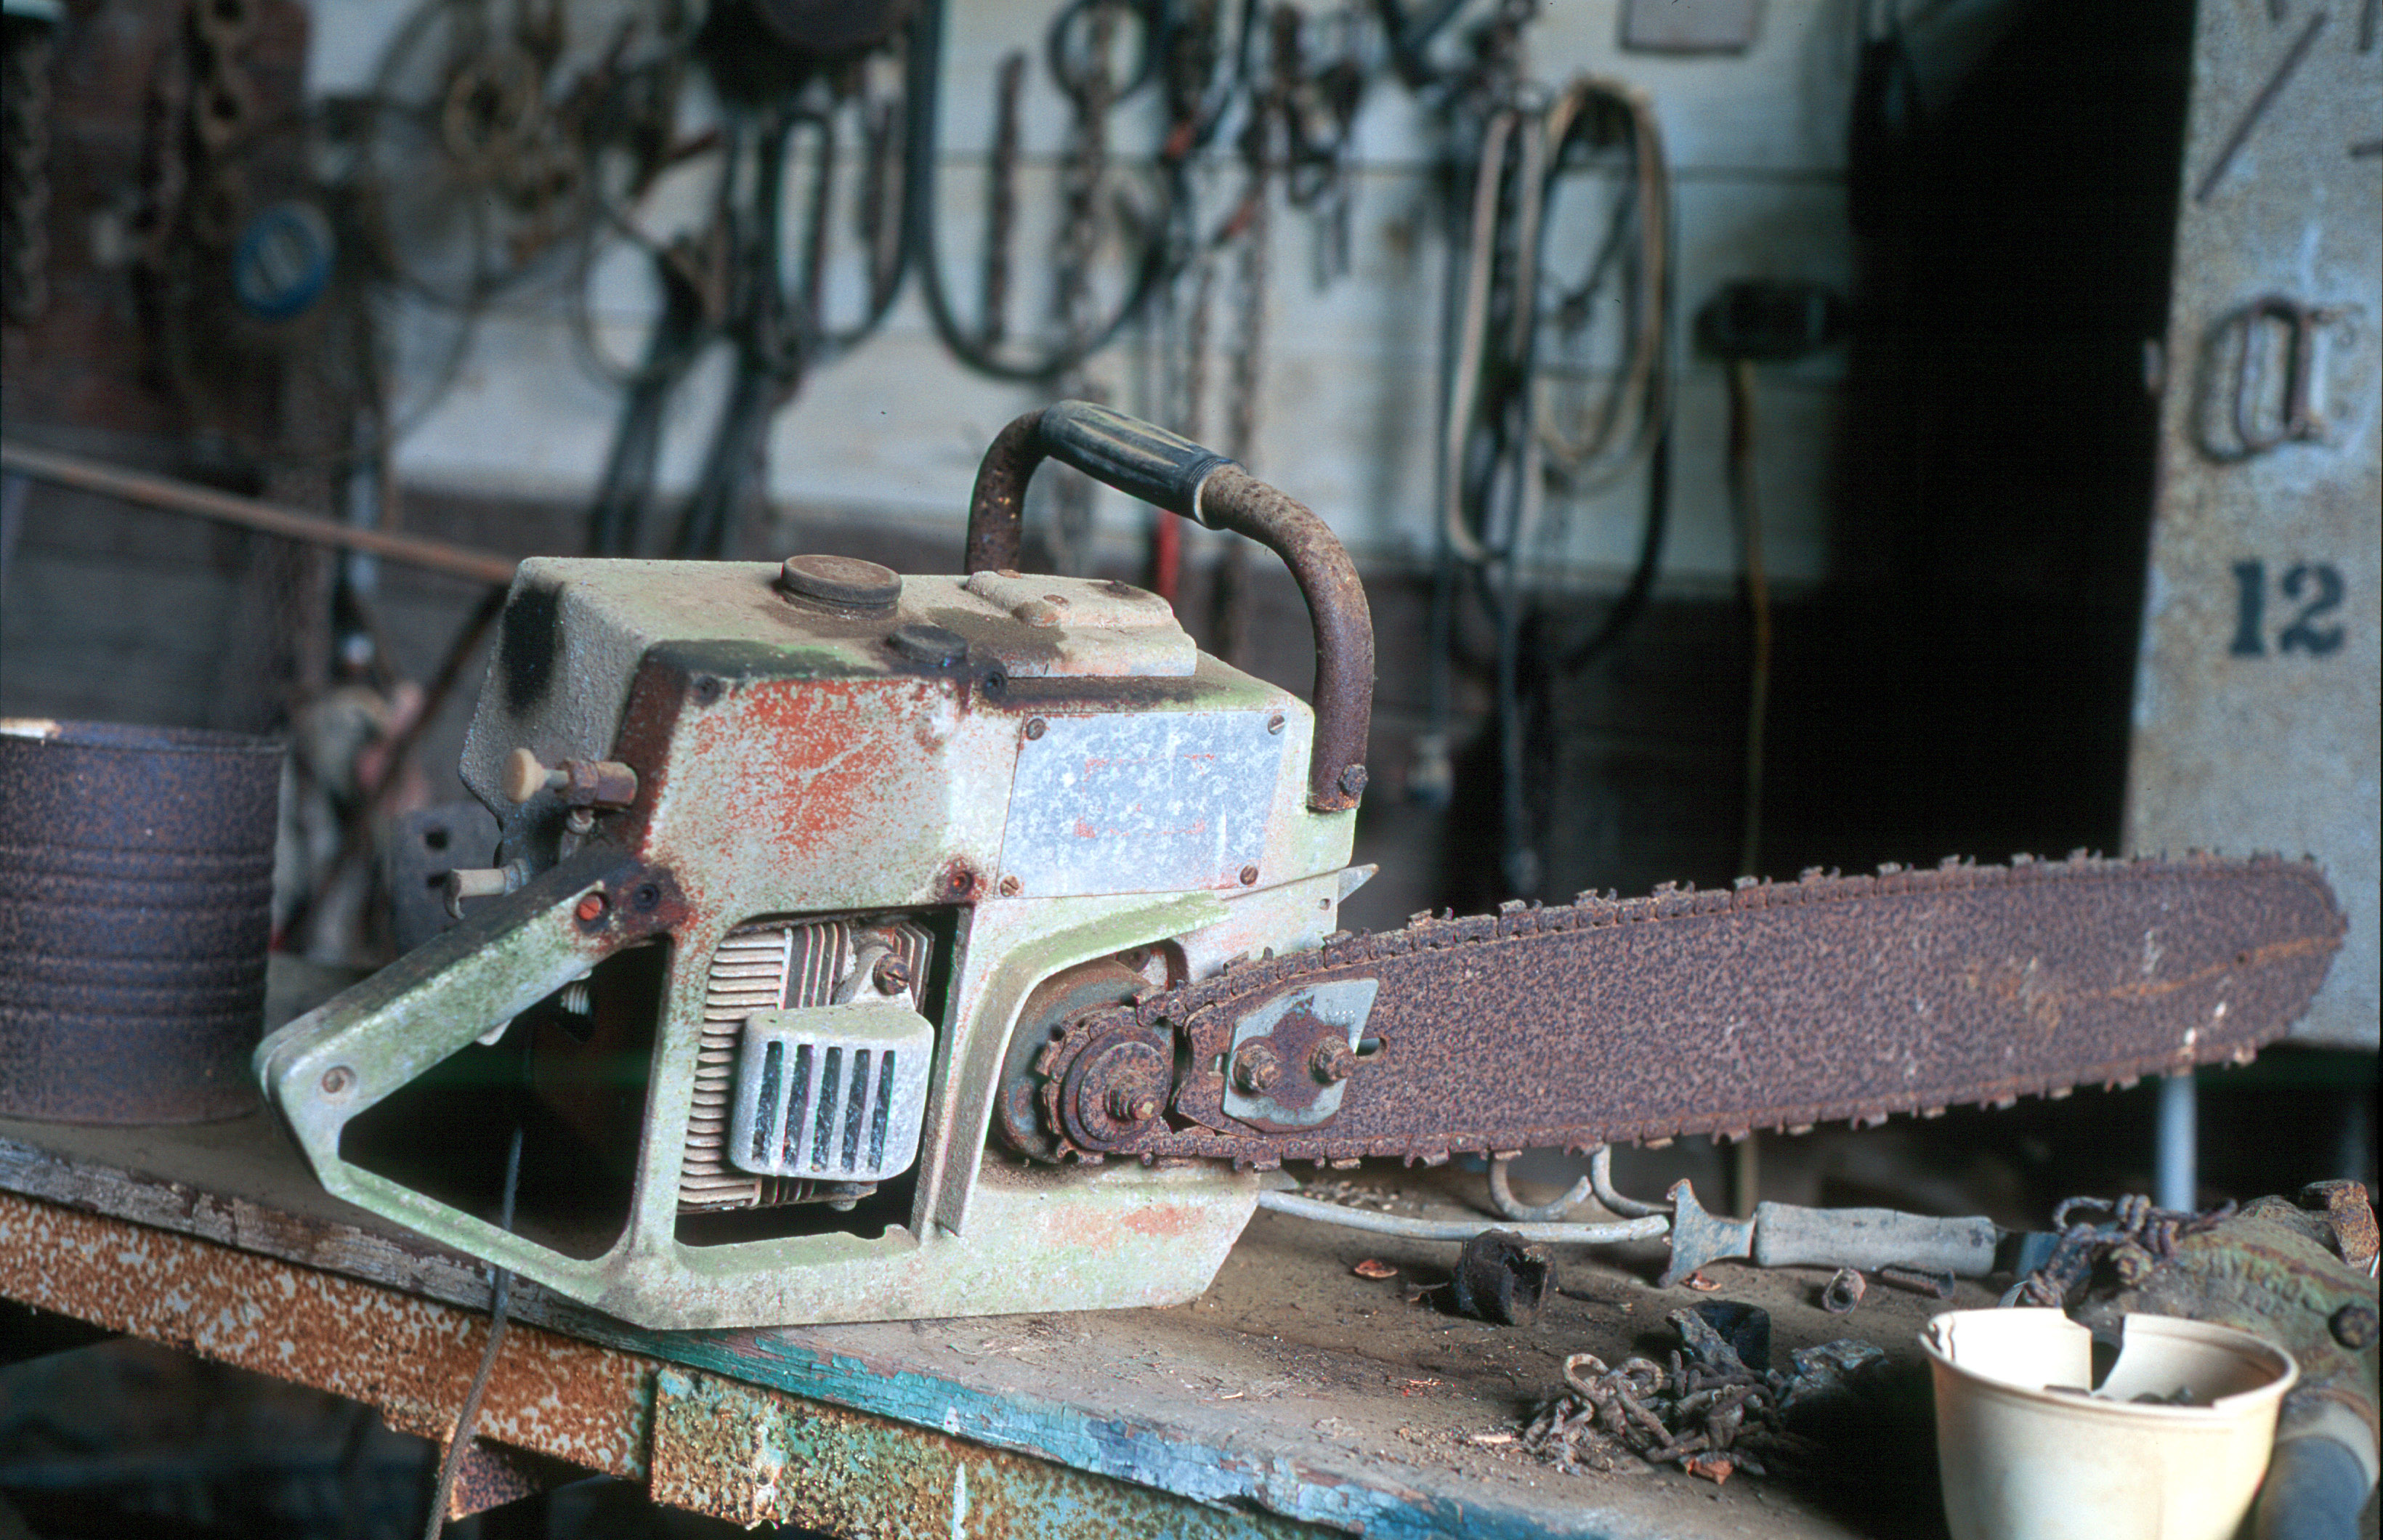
x: 1347, y: 420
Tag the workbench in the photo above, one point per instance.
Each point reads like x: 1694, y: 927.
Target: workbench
x: 1293, y: 1397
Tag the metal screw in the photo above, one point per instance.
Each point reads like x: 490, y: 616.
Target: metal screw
x: 1036, y: 727
x: 1249, y: 877
x: 891, y: 976
x: 338, y: 1080
x: 1274, y: 723
x: 1257, y: 1069
x: 1132, y: 1105
x: 1011, y: 887
x: 591, y: 908
x: 1333, y: 1061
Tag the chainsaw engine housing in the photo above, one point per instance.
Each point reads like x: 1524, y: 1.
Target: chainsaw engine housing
x: 862, y: 833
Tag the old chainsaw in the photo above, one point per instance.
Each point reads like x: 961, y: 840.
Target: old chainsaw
x: 862, y: 946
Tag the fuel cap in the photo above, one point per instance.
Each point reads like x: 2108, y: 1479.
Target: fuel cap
x: 845, y: 582
x: 930, y: 644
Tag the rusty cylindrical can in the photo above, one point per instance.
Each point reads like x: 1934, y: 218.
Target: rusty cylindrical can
x: 136, y: 889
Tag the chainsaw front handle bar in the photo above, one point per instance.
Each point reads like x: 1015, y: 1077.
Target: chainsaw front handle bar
x: 1170, y: 472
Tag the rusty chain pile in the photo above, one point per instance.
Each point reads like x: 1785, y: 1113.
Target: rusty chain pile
x: 2136, y: 1239
x: 1708, y: 1412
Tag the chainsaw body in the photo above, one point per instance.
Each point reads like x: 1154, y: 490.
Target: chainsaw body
x: 865, y: 817
x: 867, y: 947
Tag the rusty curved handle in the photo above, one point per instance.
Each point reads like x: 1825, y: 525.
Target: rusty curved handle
x: 1170, y: 472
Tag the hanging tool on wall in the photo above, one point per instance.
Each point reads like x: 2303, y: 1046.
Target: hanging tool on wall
x: 1083, y: 324
x: 26, y: 29
x: 1529, y: 410
x: 794, y: 78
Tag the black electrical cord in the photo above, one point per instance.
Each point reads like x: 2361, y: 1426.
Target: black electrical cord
x: 1631, y: 603
x: 770, y: 336
x: 1409, y: 35
x: 500, y: 1296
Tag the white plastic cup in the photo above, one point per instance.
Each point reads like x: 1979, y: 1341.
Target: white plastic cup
x: 2023, y: 1462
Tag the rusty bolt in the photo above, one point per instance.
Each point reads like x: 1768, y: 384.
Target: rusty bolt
x: 1257, y: 1069
x: 891, y: 976
x: 591, y: 908
x: 1011, y: 887
x: 1035, y: 728
x: 1352, y: 780
x: 338, y: 1080
x: 1132, y: 1103
x: 1249, y: 877
x: 2352, y: 1325
x: 1333, y: 1061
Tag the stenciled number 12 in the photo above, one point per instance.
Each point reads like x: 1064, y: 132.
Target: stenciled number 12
x: 2318, y: 587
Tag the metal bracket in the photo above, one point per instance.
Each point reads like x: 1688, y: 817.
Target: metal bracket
x: 1291, y: 1057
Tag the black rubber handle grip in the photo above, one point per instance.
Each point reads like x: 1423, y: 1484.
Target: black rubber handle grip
x: 1161, y: 468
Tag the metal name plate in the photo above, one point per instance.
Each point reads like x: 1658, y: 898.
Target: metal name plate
x: 1141, y: 802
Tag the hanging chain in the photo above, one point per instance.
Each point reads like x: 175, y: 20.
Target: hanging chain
x: 25, y: 173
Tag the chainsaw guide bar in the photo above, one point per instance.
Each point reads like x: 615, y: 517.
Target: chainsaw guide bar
x: 1774, y: 1005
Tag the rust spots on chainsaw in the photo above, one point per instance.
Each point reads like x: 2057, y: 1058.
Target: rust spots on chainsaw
x: 817, y: 757
x: 1163, y: 1221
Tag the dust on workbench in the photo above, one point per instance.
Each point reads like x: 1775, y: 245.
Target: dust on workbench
x: 1295, y: 1340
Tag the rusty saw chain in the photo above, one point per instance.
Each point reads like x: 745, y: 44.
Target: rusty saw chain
x: 1772, y: 1005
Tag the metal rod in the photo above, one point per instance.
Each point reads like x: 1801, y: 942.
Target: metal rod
x: 1651, y: 1228
x: 1601, y: 1182
x: 2179, y: 1139
x: 180, y: 496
